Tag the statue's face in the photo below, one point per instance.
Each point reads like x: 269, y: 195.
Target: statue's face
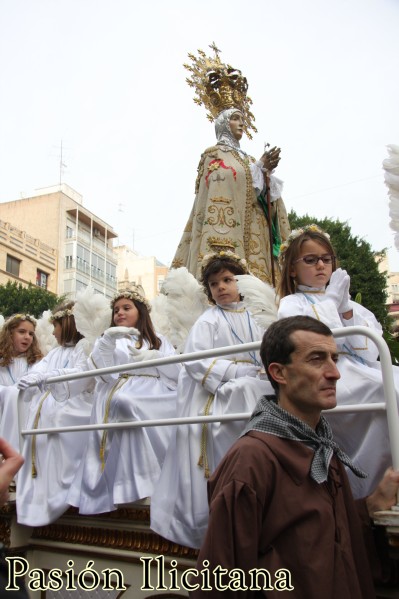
x: 237, y: 125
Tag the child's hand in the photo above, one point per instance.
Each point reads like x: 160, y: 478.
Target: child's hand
x: 247, y: 370
x: 338, y: 285
x: 140, y: 355
x: 10, y: 462
x: 31, y: 380
x: 345, y: 306
x: 120, y: 332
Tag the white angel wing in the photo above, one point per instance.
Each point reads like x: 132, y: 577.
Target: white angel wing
x: 92, y: 314
x: 183, y: 302
x: 44, y: 333
x: 259, y: 298
x: 159, y: 315
x: 1, y: 321
x: 391, y: 176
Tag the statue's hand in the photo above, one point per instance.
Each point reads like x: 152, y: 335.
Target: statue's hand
x: 271, y: 158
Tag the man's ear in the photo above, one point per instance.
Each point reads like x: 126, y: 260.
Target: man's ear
x: 277, y: 372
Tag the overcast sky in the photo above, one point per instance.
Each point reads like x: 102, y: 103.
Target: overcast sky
x: 106, y: 78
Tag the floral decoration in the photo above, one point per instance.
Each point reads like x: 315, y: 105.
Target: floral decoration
x: 296, y: 233
x: 224, y: 254
x: 217, y: 163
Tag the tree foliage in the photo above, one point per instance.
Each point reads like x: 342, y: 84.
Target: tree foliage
x: 355, y: 256
x: 34, y: 300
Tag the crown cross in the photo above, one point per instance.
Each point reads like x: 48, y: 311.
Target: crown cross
x: 215, y: 49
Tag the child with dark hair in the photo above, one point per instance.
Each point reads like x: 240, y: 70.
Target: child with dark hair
x: 222, y: 385
x: 51, y: 460
x: 121, y: 466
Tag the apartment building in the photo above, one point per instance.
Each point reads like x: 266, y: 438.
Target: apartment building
x: 26, y: 259
x: 82, y: 242
x: 146, y: 271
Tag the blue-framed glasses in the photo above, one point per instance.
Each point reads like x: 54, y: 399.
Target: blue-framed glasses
x: 312, y: 259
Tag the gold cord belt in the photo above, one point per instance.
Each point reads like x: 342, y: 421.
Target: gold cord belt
x: 203, y: 459
x: 118, y: 385
x: 35, y: 424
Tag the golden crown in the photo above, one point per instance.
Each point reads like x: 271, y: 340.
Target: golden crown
x: 219, y: 86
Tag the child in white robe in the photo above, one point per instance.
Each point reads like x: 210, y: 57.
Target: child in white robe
x: 19, y: 351
x: 51, y: 460
x: 122, y: 466
x: 230, y: 384
x: 312, y: 285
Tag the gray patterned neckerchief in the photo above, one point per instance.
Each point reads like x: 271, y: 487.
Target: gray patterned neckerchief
x: 268, y: 417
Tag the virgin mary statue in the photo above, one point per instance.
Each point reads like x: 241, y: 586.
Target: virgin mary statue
x: 238, y: 205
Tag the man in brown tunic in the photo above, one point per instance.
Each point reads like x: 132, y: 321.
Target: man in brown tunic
x: 283, y: 522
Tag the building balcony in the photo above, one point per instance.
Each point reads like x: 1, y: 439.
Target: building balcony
x: 20, y: 241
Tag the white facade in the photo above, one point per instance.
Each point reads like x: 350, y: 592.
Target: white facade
x: 141, y: 270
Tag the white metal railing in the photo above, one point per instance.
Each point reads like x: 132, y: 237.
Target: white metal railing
x: 390, y: 404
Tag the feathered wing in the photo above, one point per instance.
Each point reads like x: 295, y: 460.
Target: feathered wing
x: 259, y: 298
x: 44, y: 333
x: 181, y: 302
x: 92, y: 314
x: 159, y: 315
x: 391, y: 176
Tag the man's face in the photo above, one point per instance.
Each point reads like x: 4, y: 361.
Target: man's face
x: 308, y: 382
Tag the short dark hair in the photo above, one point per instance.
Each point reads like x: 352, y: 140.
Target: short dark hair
x: 216, y: 266
x: 277, y: 344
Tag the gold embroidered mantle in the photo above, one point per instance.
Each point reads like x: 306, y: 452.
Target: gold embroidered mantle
x: 226, y: 215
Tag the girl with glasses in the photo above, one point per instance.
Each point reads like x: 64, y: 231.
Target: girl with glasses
x: 312, y: 285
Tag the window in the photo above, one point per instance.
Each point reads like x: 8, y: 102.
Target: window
x: 41, y: 279
x: 80, y: 285
x: 68, y: 262
x: 69, y: 232
x: 68, y: 286
x: 13, y: 265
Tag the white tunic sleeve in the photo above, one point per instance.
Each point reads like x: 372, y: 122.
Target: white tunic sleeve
x: 104, y: 356
x: 170, y: 372
x: 324, y: 310
x: 297, y: 304
x: 361, y: 345
x: 77, y: 362
x: 209, y: 372
x: 258, y: 181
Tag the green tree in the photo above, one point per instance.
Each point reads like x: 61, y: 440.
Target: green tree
x: 34, y: 300
x: 356, y: 256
